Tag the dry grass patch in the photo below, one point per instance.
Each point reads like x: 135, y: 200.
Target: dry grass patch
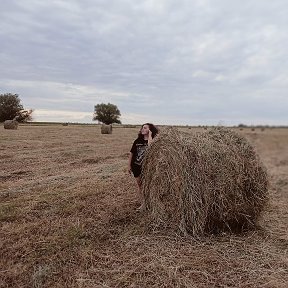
x: 76, y: 225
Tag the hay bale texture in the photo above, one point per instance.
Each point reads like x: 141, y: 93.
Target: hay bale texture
x: 11, y: 124
x: 106, y: 129
x: 203, y: 183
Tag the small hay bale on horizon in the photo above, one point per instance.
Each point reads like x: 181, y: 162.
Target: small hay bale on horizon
x: 11, y: 124
x: 106, y: 129
x: 208, y: 182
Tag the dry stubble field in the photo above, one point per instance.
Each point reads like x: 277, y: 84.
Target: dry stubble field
x: 68, y: 219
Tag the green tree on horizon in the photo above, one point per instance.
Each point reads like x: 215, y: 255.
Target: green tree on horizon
x: 11, y: 107
x: 107, y: 113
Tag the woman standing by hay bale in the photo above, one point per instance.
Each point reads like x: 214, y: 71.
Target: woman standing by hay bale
x: 203, y: 183
x: 145, y: 136
x: 106, y: 129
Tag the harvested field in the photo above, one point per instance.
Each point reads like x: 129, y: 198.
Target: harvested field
x: 68, y: 219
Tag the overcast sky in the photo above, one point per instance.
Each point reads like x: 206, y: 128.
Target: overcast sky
x: 163, y: 61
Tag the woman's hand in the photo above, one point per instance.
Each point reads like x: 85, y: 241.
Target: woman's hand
x: 150, y: 137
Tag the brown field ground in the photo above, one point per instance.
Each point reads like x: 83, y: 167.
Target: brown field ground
x: 68, y: 219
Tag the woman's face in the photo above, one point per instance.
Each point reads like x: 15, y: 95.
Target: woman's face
x: 145, y: 129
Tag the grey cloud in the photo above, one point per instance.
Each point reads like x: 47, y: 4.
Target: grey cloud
x: 204, y: 58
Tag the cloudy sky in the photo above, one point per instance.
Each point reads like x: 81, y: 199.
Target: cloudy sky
x: 164, y: 61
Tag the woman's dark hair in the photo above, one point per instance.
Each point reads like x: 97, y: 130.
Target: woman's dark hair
x: 152, y: 128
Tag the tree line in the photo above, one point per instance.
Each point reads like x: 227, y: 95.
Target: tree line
x: 12, y: 108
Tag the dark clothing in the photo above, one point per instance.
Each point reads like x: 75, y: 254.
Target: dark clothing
x: 138, y: 152
x: 136, y: 169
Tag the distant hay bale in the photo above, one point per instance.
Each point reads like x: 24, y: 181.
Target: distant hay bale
x: 204, y: 183
x: 11, y: 124
x: 106, y: 129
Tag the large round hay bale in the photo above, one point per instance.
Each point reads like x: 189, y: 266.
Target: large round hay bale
x: 11, y: 124
x: 203, y: 183
x: 106, y: 129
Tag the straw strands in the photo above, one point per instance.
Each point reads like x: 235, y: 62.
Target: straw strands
x: 66, y: 222
x: 203, y: 183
